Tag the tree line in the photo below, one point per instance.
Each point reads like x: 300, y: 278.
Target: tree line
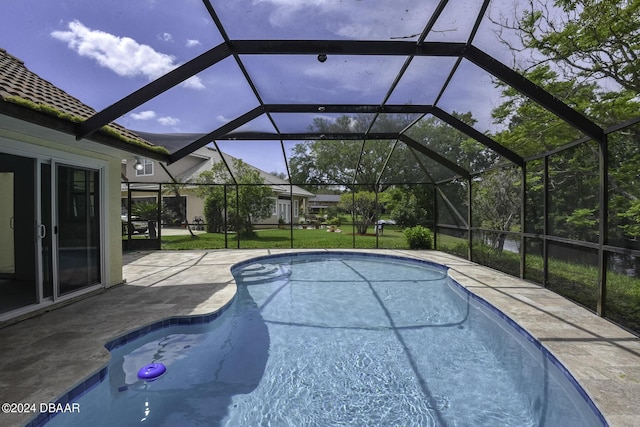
x: 585, y: 52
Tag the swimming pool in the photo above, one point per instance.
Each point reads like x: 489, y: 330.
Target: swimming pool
x: 340, y: 339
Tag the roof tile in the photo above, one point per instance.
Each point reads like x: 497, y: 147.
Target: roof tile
x: 16, y: 80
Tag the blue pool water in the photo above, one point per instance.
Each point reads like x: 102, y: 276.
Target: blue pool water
x: 340, y: 339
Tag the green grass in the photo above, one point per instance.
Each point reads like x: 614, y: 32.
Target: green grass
x: 577, y: 282
x: 275, y: 238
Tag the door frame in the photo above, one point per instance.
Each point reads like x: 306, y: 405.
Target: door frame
x: 285, y: 204
x: 55, y: 198
x: 47, y: 155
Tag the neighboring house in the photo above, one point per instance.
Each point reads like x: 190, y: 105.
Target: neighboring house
x: 60, y: 234
x: 323, y: 201
x: 288, y: 200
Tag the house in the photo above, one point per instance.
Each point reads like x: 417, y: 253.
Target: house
x: 288, y: 200
x: 60, y: 213
x: 322, y: 202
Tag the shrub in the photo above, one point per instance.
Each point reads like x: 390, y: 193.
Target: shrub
x: 337, y: 221
x: 419, y: 237
x: 408, y: 213
x: 213, y: 214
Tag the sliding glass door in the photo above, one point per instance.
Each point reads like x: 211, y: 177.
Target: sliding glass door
x: 50, y: 231
x: 78, y: 228
x: 45, y: 230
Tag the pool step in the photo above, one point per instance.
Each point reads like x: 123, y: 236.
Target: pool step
x: 256, y: 273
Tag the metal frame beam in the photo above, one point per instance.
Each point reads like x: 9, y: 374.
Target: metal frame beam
x: 534, y: 92
x: 478, y: 136
x: 347, y: 47
x: 435, y: 156
x: 349, y: 108
x: 267, y: 136
x: 153, y: 89
x: 205, y: 139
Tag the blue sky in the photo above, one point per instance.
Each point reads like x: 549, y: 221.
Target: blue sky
x: 101, y: 51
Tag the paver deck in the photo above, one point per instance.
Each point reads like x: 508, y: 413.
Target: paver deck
x: 45, y: 356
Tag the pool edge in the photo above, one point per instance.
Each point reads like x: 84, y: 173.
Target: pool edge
x: 93, y: 380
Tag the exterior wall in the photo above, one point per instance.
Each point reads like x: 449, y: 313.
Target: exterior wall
x: 195, y: 205
x: 37, y: 142
x: 159, y: 174
x: 113, y: 225
x: 273, y: 220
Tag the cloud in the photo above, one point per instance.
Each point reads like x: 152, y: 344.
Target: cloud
x: 150, y: 115
x: 284, y: 11
x: 122, y: 55
x: 167, y: 37
x: 192, y: 43
x: 353, y: 20
x: 144, y: 115
x: 168, y: 121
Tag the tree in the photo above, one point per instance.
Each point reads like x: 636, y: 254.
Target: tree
x: 405, y: 206
x: 624, y: 187
x: 363, y: 208
x: 531, y: 129
x: 248, y: 198
x: 175, y: 188
x: 214, y: 209
x: 589, y: 43
x: 589, y: 39
x: 496, y: 203
x: 452, y: 144
x: 280, y: 175
x: 573, y: 177
x: 350, y: 163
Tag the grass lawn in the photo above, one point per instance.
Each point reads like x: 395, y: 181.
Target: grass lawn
x: 393, y: 238
x: 578, y: 282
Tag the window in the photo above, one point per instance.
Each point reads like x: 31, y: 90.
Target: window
x: 296, y: 208
x: 147, y: 168
x: 274, y: 207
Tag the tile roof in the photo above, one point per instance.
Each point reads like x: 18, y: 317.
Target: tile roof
x: 16, y: 80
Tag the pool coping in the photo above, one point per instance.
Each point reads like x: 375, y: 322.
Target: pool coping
x: 96, y: 378
x: 572, y: 334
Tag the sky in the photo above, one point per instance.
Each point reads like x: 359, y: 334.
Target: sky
x: 101, y: 51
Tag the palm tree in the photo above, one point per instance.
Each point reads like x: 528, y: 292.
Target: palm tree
x: 146, y: 211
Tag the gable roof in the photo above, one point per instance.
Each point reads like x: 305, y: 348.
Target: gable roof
x: 26, y: 96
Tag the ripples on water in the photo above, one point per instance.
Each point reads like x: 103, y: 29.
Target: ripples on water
x: 350, y: 341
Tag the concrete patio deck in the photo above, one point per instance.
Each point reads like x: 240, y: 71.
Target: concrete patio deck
x: 68, y: 343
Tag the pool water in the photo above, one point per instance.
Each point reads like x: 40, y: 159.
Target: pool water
x: 326, y: 340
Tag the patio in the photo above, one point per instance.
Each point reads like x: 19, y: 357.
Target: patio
x: 68, y: 343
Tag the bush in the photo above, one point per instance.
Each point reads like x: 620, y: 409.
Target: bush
x: 337, y: 221
x: 408, y: 213
x: 419, y: 237
x: 213, y: 215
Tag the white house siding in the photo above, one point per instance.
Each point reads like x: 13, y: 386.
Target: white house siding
x: 29, y: 140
